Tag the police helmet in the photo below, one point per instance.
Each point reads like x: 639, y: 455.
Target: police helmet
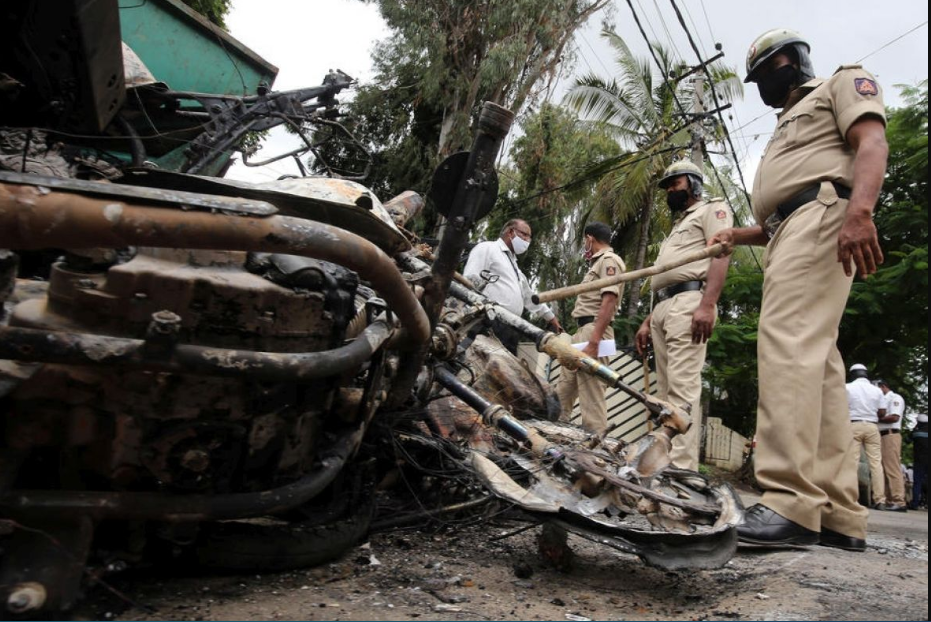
x: 684, y: 167
x: 857, y: 370
x: 777, y: 40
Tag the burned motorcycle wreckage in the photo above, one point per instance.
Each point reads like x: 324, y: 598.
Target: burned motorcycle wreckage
x: 209, y: 367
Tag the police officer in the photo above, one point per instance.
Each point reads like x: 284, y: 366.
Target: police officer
x: 593, y: 312
x: 813, y: 198
x: 867, y: 405
x: 890, y: 432
x: 685, y: 301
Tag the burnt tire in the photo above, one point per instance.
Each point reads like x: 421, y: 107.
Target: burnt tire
x: 269, y: 544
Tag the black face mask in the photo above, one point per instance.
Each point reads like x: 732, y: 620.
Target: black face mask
x: 775, y: 87
x: 677, y: 200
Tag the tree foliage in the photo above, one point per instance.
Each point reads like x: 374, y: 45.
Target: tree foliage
x: 646, y: 114
x: 214, y: 10
x: 443, y: 59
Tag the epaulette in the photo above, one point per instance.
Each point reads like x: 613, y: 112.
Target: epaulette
x: 843, y: 67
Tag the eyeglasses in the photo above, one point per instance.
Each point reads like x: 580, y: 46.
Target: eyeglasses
x: 523, y: 234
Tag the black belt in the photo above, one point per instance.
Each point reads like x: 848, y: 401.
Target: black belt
x: 585, y: 319
x: 807, y: 196
x: 890, y: 431
x: 668, y: 292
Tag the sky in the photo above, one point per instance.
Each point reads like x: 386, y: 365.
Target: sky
x: 305, y: 38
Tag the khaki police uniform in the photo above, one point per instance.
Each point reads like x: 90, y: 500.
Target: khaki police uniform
x: 589, y: 390
x: 679, y: 361
x: 805, y: 459
x: 891, y: 439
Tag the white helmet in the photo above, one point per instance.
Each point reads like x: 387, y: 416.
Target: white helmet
x: 857, y: 370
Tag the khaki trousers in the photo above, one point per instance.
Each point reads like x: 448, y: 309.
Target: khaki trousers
x: 806, y: 463
x: 590, y: 391
x: 678, y: 369
x: 866, y: 434
x: 892, y: 468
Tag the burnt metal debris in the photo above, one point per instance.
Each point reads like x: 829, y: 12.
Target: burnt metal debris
x: 200, y: 353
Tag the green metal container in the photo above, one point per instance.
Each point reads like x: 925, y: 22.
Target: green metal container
x: 183, y: 49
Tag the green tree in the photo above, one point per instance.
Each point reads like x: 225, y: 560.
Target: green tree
x: 644, y: 113
x: 443, y: 59
x: 214, y: 10
x: 475, y: 50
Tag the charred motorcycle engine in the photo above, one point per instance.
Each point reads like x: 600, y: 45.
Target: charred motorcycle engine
x: 144, y: 430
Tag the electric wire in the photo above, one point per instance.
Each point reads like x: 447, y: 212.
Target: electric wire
x: 884, y: 46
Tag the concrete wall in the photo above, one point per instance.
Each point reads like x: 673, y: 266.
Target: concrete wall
x: 724, y: 448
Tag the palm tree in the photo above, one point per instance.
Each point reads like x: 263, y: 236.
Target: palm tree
x: 649, y: 118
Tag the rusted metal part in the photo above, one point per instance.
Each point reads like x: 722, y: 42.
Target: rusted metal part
x: 160, y: 353
x: 404, y: 207
x: 331, y: 201
x: 588, y: 464
x: 225, y: 299
x: 31, y: 219
x: 668, y: 414
x: 496, y: 415
x: 187, y: 507
x: 501, y: 376
x: 591, y: 286
x: 138, y: 194
x: 493, y: 125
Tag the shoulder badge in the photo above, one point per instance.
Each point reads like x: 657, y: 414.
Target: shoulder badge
x: 865, y: 86
x: 610, y: 270
x: 720, y: 214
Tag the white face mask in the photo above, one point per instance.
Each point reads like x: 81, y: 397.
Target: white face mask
x: 519, y: 244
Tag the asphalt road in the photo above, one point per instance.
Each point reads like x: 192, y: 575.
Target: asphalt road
x: 459, y: 571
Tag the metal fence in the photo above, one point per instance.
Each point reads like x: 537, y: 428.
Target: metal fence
x: 627, y: 418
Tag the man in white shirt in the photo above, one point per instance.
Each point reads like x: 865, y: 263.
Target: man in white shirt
x: 866, y: 405
x: 890, y: 427
x: 492, y: 268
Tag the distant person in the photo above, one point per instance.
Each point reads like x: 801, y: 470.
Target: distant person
x: 890, y: 432
x: 866, y: 405
x: 685, y: 301
x: 492, y: 268
x: 594, y: 314
x: 813, y: 198
x: 920, y: 466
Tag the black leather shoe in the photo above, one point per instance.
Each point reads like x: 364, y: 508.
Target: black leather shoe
x: 840, y: 541
x: 763, y: 527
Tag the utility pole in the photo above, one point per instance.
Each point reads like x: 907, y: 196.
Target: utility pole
x: 698, y: 119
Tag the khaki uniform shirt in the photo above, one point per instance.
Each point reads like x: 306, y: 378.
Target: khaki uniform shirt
x: 691, y: 233
x: 809, y: 146
x: 604, y: 264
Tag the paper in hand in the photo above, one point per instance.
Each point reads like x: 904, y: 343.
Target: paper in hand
x: 606, y: 347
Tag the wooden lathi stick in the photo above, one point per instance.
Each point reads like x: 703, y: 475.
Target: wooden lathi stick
x: 575, y: 290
